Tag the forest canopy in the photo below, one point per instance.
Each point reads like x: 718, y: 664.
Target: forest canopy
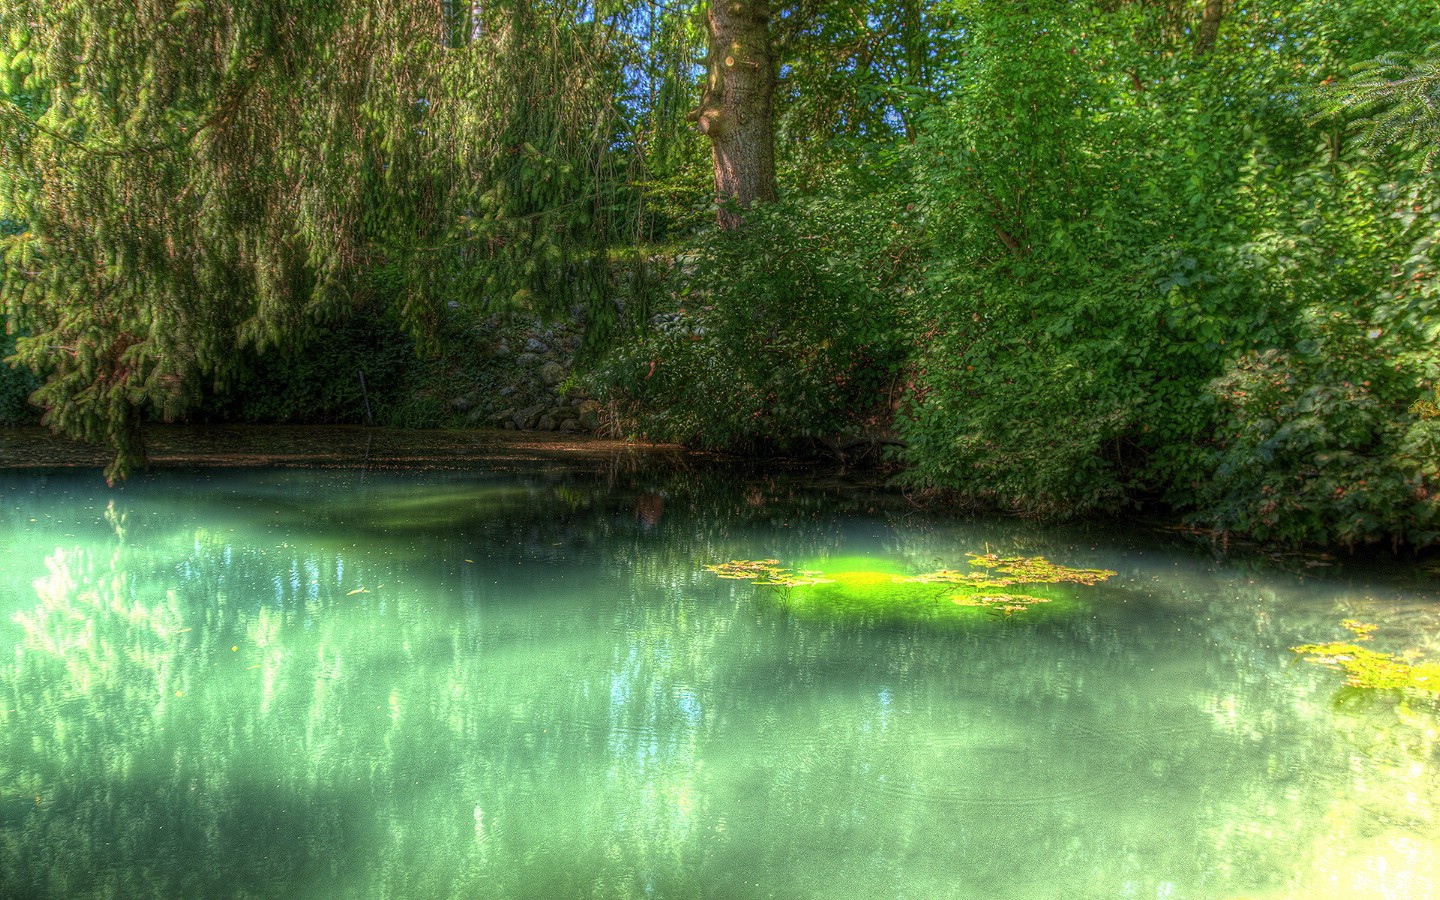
x: 1060, y: 258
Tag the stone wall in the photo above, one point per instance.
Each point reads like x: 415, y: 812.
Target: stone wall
x: 530, y: 374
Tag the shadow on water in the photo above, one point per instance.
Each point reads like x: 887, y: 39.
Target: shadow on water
x: 180, y: 835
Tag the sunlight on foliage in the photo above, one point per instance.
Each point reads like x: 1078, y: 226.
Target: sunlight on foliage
x: 1427, y: 409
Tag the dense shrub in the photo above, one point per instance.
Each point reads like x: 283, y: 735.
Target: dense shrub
x: 1326, y: 437
x: 1044, y: 372
x: 771, y: 338
x: 1186, y: 286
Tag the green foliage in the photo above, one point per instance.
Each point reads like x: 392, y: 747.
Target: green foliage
x: 16, y: 385
x: 1319, y: 437
x: 1397, y: 99
x: 1150, y: 274
x: 855, y: 76
x: 1038, y: 367
x: 669, y: 169
x: 773, y: 337
x: 198, y: 178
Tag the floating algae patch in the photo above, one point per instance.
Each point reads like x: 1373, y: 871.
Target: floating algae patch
x: 1008, y: 570
x: 766, y: 572
x: 1370, y: 669
x: 879, y: 590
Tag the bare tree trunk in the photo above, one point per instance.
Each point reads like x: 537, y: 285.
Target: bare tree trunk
x: 1209, y: 26
x: 735, y: 106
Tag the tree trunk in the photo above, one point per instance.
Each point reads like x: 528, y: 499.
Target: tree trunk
x: 1209, y: 26
x: 735, y: 106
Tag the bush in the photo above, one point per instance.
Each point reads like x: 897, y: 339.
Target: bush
x: 1233, y: 311
x: 1329, y: 437
x: 770, y: 338
x: 1046, y: 377
x: 1310, y: 454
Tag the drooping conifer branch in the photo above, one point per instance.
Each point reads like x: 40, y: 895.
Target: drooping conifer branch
x: 195, y: 177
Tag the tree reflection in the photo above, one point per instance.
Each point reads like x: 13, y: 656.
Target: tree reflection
x: 544, y: 695
x: 129, y: 767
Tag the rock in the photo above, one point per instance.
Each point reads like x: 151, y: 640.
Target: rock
x: 535, y: 345
x: 465, y: 403
x: 503, y: 416
x: 502, y: 349
x: 570, y: 425
x: 546, y: 423
x: 505, y: 391
x: 527, y: 359
x: 561, y: 413
x: 589, y: 415
x: 552, y: 373
x: 529, y: 416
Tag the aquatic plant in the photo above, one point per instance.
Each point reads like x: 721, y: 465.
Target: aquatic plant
x: 767, y: 572
x: 1005, y: 571
x: 1007, y: 604
x: 871, y: 585
x: 1371, y: 669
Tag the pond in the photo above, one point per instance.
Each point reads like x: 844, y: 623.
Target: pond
x: 521, y: 680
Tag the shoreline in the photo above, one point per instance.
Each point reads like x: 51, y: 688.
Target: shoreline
x: 253, y: 446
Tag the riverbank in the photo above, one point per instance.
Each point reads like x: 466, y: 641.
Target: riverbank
x: 325, y: 446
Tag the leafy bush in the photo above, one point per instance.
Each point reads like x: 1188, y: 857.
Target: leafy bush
x: 1152, y: 276
x: 1315, y: 457
x: 770, y: 338
x: 1045, y: 378
x: 1327, y: 438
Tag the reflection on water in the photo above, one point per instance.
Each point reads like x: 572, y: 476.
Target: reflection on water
x: 331, y: 685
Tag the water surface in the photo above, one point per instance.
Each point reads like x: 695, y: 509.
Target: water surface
x: 523, y: 683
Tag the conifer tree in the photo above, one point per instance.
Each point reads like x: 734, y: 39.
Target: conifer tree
x: 192, y: 176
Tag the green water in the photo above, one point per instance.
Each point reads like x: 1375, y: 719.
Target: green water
x: 524, y: 684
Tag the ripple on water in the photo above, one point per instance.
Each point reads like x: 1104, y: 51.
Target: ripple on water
x: 999, y: 771
x: 1135, y: 739
x: 1011, y: 766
